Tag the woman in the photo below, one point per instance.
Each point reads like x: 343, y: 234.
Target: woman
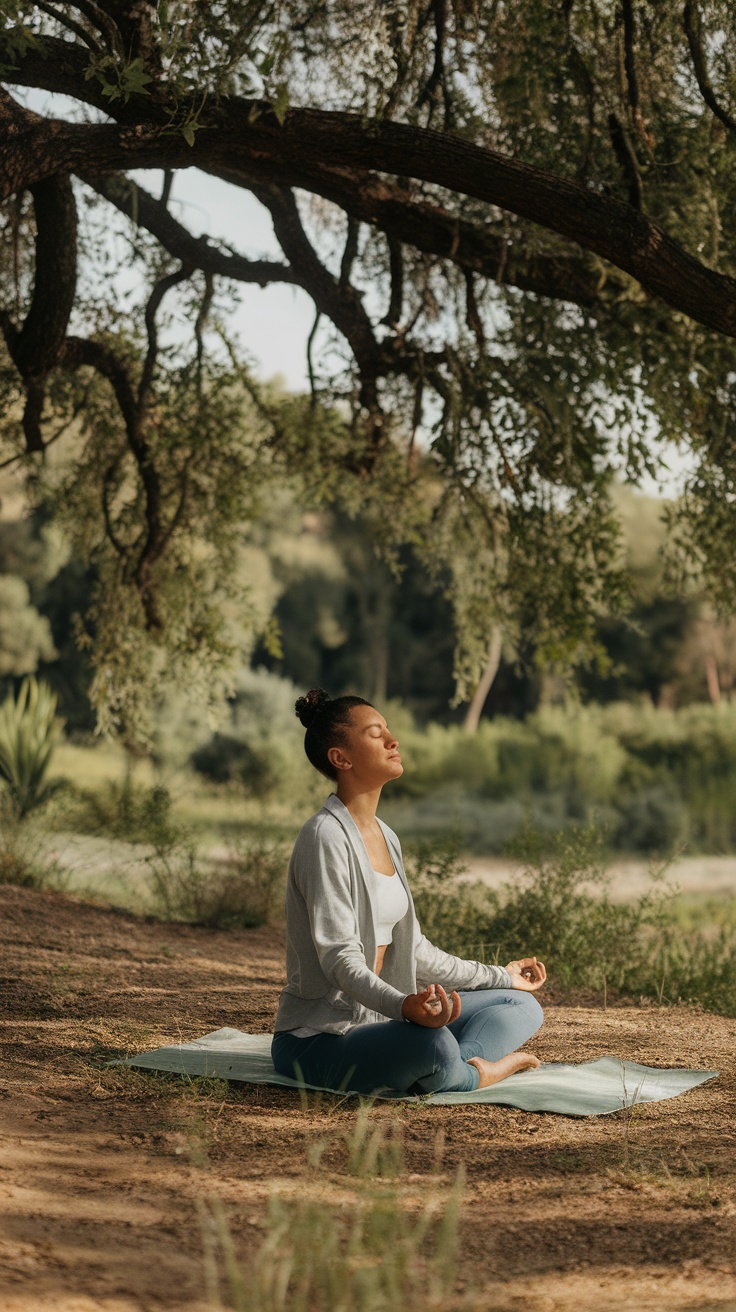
x: 366, y: 1005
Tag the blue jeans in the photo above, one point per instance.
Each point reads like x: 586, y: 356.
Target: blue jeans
x: 411, y: 1058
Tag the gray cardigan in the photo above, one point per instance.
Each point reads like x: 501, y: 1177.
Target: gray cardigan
x: 331, y: 984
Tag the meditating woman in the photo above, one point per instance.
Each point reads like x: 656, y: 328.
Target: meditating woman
x: 370, y: 1004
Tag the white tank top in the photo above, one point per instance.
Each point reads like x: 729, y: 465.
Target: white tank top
x: 390, y: 903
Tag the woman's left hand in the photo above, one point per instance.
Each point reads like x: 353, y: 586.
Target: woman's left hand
x: 527, y: 974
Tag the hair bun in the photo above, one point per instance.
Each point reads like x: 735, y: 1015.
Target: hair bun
x: 310, y: 706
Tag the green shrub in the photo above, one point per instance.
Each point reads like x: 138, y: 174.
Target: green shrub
x: 23, y: 857
x: 125, y: 809
x: 657, y: 777
x: 559, y: 908
x: 650, y: 819
x: 29, y: 731
x: 238, y: 893
x: 456, y: 916
x: 232, y: 760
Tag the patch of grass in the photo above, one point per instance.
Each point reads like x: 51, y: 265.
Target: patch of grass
x: 23, y: 858
x: 123, y: 808
x: 375, y: 1251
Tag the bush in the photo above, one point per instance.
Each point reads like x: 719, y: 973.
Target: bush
x: 261, y: 740
x: 559, y: 909
x: 126, y: 810
x: 240, y: 893
x: 651, y: 819
x: 231, y: 760
x: 657, y: 777
x: 29, y: 731
x: 457, y: 917
x: 23, y: 860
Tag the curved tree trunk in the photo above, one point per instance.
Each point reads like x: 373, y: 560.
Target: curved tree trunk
x: 475, y: 709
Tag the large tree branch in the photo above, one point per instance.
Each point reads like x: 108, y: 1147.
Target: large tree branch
x: 37, y: 343
x: 435, y: 230
x: 597, y: 222
x: 34, y: 346
x: 405, y: 219
x: 234, y: 132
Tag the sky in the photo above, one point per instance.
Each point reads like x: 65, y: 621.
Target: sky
x: 272, y: 323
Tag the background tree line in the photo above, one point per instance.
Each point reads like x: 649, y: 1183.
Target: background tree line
x: 332, y: 612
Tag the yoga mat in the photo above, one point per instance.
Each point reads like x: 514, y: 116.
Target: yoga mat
x: 592, y: 1088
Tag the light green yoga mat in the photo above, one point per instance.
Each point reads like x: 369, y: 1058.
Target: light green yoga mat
x: 592, y: 1088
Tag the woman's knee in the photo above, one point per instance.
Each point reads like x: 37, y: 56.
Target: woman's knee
x: 427, y: 1044
x: 435, y: 1062
x: 533, y: 1013
x: 429, y: 1051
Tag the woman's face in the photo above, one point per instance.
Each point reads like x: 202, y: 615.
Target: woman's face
x: 370, y: 752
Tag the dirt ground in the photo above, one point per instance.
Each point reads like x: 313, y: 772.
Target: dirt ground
x: 99, y: 1185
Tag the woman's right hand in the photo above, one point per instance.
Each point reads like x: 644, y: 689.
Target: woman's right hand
x: 431, y: 1007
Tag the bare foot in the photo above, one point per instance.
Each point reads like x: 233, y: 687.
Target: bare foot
x: 491, y: 1072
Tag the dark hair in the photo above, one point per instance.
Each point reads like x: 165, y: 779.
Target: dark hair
x: 325, y: 719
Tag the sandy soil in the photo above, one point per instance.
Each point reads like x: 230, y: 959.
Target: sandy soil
x: 99, y: 1187
x: 630, y: 877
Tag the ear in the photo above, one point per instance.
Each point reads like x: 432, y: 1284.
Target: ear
x: 337, y: 757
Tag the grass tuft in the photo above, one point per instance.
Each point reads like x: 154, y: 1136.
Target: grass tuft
x: 374, y: 1251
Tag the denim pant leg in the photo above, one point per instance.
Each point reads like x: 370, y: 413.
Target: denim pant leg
x: 395, y: 1055
x: 495, y: 1022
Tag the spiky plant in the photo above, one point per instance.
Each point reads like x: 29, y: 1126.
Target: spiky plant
x: 29, y: 731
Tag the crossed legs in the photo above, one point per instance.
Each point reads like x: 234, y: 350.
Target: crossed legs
x: 412, y: 1058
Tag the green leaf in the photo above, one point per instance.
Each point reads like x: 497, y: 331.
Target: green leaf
x: 188, y: 132
x: 280, y: 103
x: 134, y: 79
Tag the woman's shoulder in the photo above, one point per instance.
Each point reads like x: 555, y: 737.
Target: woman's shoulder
x: 322, y: 827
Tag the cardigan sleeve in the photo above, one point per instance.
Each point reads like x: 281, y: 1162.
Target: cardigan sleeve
x: 322, y: 874
x: 437, y: 967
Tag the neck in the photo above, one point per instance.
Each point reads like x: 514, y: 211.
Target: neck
x: 361, y: 802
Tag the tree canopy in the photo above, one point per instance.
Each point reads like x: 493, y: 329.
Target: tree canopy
x: 516, y: 223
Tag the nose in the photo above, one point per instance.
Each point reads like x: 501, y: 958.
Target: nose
x: 393, y: 744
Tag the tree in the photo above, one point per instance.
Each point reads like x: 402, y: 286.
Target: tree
x: 347, y: 623
x: 515, y: 220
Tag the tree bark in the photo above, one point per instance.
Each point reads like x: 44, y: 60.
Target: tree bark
x: 711, y: 678
x: 475, y: 709
x: 235, y: 133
